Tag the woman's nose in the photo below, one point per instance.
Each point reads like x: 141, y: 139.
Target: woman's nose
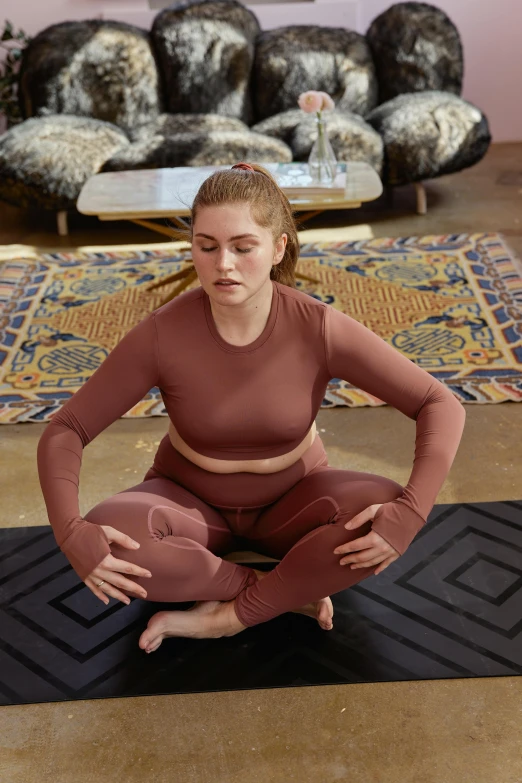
x: 224, y: 258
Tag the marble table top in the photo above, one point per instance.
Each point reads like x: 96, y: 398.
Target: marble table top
x: 140, y: 193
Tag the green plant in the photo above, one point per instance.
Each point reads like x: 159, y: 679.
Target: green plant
x: 13, y: 44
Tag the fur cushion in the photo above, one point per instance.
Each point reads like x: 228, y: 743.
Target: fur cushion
x: 415, y: 47
x: 296, y: 58
x: 103, y: 70
x: 205, y: 49
x: 200, y: 148
x: 427, y: 134
x: 44, y: 161
x: 171, y: 124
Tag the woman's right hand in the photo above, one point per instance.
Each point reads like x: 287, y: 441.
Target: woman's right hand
x: 110, y: 570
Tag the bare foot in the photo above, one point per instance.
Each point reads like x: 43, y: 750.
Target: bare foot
x: 322, y: 610
x: 204, y: 620
x: 214, y: 619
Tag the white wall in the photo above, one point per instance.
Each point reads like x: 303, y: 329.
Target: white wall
x: 490, y: 32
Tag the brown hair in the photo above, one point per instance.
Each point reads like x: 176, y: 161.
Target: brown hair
x: 255, y: 185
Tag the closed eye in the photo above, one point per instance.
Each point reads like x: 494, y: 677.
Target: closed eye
x: 239, y: 250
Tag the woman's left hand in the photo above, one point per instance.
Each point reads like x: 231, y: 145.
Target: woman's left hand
x: 376, y: 549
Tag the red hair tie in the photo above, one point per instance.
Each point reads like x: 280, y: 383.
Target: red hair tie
x: 245, y: 166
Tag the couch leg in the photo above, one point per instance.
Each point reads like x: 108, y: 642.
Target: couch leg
x: 61, y: 222
x: 422, y: 206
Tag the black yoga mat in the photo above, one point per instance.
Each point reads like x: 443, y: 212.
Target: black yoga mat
x: 451, y: 606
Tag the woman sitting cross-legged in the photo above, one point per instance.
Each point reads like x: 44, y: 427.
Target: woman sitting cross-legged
x: 242, y: 363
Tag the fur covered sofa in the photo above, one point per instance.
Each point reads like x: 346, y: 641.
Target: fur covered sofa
x: 207, y: 86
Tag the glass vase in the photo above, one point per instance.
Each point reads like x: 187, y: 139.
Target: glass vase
x: 322, y: 163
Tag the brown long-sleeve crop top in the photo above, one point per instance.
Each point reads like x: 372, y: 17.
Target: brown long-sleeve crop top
x: 246, y: 402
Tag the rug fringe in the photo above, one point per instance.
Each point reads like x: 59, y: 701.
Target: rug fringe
x: 7, y: 251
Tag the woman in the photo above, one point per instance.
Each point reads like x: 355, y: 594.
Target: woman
x: 242, y: 370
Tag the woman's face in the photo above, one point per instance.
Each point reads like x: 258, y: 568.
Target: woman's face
x: 228, y: 243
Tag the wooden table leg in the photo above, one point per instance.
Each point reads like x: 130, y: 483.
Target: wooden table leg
x: 61, y: 222
x: 422, y: 204
x: 309, y: 215
x: 160, y: 229
x: 171, y: 278
x: 190, y: 275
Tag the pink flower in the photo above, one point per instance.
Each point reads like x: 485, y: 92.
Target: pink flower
x: 315, y: 101
x: 310, y: 101
x: 328, y: 104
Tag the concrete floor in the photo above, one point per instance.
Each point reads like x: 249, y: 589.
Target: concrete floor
x: 441, y: 731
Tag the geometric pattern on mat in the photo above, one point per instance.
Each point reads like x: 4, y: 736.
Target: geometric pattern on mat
x: 450, y: 607
x: 452, y: 304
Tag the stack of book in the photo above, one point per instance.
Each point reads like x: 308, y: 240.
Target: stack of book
x: 296, y: 181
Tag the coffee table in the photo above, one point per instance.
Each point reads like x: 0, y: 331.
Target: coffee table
x: 141, y: 194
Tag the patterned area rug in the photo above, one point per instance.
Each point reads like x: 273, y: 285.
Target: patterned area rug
x: 452, y: 304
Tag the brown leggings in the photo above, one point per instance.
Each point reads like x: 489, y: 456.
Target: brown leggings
x: 186, y: 518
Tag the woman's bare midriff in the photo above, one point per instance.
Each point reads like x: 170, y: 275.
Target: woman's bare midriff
x: 269, y: 465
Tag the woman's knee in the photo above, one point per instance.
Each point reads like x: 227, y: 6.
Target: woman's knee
x: 370, y: 490
x: 381, y: 490
x: 387, y: 489
x: 121, y: 513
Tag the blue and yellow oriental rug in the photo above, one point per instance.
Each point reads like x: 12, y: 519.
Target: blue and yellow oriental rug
x: 452, y: 304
